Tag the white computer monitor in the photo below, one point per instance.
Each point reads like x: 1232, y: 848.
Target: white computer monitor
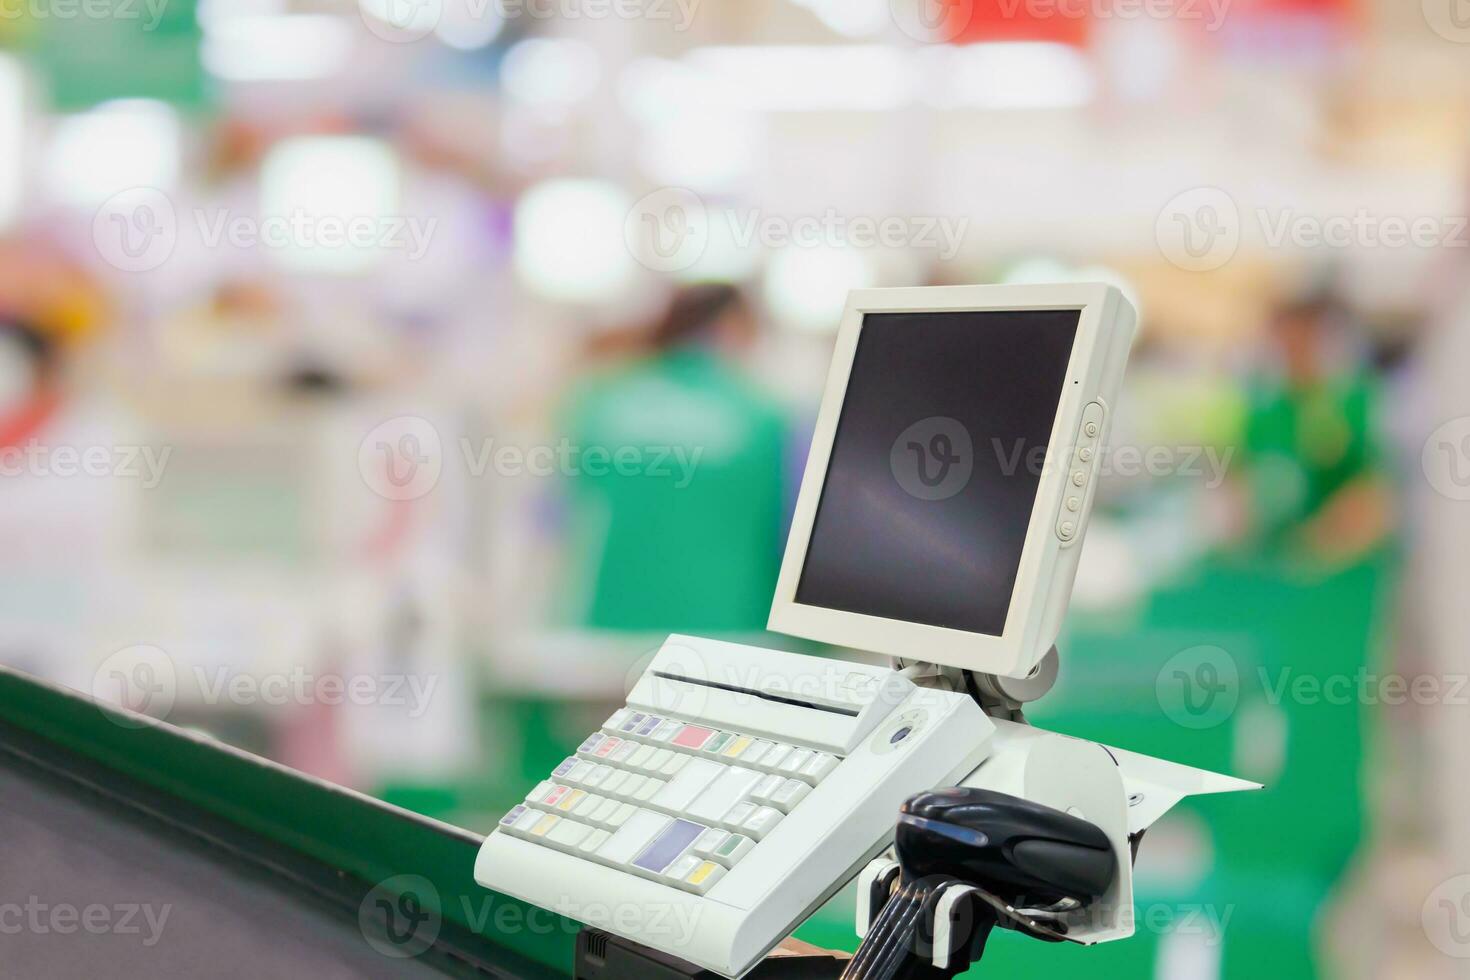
x: 952, y: 471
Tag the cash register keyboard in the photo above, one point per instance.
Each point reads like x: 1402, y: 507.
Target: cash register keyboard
x: 736, y: 791
x: 671, y: 800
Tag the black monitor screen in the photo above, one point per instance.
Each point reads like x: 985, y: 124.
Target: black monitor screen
x: 935, y: 465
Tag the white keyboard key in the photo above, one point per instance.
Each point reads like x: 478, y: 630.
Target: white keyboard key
x: 630, y: 786
x: 677, y: 761
x: 776, y: 755
x: 598, y: 776
x: 593, y: 841
x: 732, y: 786
x: 792, y: 792
x: 656, y: 762
x: 703, y: 878
x: 682, y: 868
x: 649, y: 790
x: 687, y: 784
x: 568, y: 834
x: 620, y: 816
x: 666, y: 731
x: 819, y: 768
x: 761, y: 822
x: 623, y: 753
x: 755, y: 752
x: 616, y: 719
x: 708, y: 842
x: 737, y: 816
x: 640, y: 756
x: 732, y: 849
x: 542, y: 790
x: 605, y: 810
x: 579, y: 772
x: 528, y: 820
x: 767, y: 787
x: 589, y: 805
x: 632, y: 837
x: 612, y: 782
x: 793, y: 763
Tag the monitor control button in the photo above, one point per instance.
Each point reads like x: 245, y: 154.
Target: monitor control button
x: 1092, y: 429
x: 1074, y: 503
x: 1078, y: 478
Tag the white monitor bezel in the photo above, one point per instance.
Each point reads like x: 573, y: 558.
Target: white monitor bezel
x: 1047, y: 565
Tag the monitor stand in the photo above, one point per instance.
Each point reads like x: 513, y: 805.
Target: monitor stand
x: 1000, y: 697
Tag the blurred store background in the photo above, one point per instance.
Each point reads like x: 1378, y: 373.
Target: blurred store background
x: 380, y: 381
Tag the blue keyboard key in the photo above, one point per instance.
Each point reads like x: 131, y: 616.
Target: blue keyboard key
x: 512, y: 816
x: 667, y: 846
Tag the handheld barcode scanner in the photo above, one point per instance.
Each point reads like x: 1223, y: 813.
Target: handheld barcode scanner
x: 995, y: 854
x: 952, y: 473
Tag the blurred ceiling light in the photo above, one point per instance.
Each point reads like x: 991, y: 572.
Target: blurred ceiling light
x: 1040, y: 269
x: 212, y: 13
x: 851, y: 18
x: 701, y: 151
x: 12, y: 139
x: 569, y: 243
x: 308, y: 181
x: 798, y: 78
x: 805, y: 288
x: 660, y: 89
x: 550, y: 72
x: 725, y: 258
x: 113, y: 147
x: 1013, y: 75
x: 468, y: 25
x: 275, y: 48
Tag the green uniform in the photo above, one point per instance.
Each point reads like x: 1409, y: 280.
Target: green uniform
x: 689, y: 538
